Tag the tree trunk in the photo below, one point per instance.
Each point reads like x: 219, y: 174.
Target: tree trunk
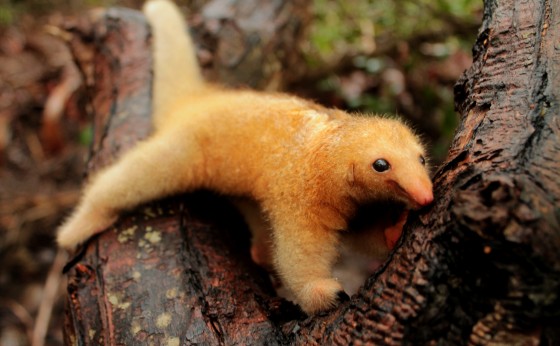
x: 480, y: 266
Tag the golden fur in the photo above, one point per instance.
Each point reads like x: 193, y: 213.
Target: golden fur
x: 306, y: 166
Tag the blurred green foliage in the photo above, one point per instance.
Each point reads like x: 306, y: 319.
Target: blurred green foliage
x: 426, y: 41
x: 7, y: 12
x: 347, y: 25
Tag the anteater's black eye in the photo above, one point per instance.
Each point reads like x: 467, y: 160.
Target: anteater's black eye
x: 422, y: 160
x: 381, y: 165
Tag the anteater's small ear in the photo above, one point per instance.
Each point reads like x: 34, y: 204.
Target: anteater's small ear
x: 350, y: 175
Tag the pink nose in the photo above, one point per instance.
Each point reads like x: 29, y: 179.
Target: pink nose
x: 421, y: 194
x: 425, y: 198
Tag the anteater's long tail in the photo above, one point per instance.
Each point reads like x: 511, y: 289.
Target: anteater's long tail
x: 176, y: 70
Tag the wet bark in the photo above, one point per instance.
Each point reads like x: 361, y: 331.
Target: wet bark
x: 480, y: 266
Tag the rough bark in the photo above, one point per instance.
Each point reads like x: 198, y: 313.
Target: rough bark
x: 480, y: 266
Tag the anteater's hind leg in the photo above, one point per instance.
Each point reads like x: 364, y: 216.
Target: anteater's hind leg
x: 261, y: 241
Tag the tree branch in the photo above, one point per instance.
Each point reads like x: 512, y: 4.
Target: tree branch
x: 480, y: 265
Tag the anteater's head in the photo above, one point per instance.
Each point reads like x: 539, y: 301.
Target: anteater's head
x: 386, y: 161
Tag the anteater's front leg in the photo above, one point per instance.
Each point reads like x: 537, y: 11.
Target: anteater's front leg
x: 304, y: 253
